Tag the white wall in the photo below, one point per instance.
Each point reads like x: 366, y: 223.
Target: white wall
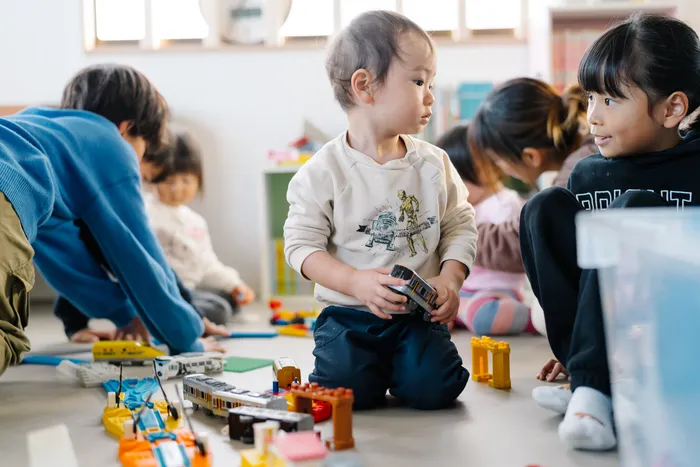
x: 240, y: 104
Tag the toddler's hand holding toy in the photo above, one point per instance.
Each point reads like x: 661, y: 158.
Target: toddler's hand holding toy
x: 447, y: 299
x: 243, y: 294
x: 369, y: 287
x: 447, y: 284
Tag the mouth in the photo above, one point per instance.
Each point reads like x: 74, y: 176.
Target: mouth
x: 601, y: 140
x: 425, y: 118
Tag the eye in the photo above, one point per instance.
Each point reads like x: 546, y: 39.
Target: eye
x: 419, y: 82
x: 589, y: 96
x: 430, y: 87
x: 608, y: 101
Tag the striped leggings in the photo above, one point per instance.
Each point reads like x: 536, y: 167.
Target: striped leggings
x: 493, y: 312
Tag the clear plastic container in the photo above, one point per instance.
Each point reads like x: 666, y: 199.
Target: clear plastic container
x: 649, y: 263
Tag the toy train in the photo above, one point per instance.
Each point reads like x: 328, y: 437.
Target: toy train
x: 207, y: 363
x: 285, y: 371
x: 421, y: 295
x: 124, y: 352
x: 217, y: 397
x: 289, y: 421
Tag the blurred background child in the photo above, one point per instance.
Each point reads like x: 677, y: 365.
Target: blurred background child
x: 184, y: 234
x: 490, y: 300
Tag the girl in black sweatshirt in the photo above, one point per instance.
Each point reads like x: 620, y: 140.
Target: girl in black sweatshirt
x: 642, y: 79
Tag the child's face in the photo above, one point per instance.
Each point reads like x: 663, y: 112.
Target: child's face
x: 178, y: 189
x: 623, y: 127
x: 476, y: 193
x: 401, y: 105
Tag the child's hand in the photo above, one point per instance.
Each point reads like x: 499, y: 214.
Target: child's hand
x: 243, y: 294
x: 211, y: 345
x: 134, y: 331
x: 447, y: 299
x: 211, y: 329
x: 90, y: 336
x: 551, y: 370
x: 368, y: 286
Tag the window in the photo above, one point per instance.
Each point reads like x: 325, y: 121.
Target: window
x: 349, y: 10
x: 434, y: 15
x: 480, y: 14
x: 309, y: 18
x: 120, y: 20
x: 125, y: 20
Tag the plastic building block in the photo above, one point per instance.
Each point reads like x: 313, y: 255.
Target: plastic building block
x: 177, y: 447
x: 299, y: 448
x: 134, y: 390
x: 341, y: 401
x: 288, y: 421
x: 294, y: 330
x: 500, y: 356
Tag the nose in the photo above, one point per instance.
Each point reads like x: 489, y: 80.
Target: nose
x: 593, y: 114
x: 429, y: 98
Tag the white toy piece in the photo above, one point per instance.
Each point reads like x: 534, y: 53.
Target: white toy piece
x: 89, y: 374
x: 167, y: 367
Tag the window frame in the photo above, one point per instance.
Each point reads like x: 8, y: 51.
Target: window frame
x: 211, y: 16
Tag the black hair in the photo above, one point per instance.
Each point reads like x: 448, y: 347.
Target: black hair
x: 454, y: 143
x: 180, y: 155
x: 525, y: 113
x: 370, y: 42
x: 120, y: 94
x: 658, y: 54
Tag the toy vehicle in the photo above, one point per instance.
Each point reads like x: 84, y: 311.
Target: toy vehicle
x: 217, y: 397
x: 167, y: 367
x: 421, y: 295
x: 289, y: 421
x: 124, y: 352
x: 147, y: 443
x: 285, y: 371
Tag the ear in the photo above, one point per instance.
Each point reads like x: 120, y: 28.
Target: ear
x: 361, y: 83
x: 675, y: 109
x: 533, y: 157
x: 124, y: 127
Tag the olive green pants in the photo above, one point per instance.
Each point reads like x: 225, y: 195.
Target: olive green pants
x: 16, y: 281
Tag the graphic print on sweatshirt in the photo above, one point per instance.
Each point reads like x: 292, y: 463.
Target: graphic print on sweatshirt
x: 601, y: 200
x: 398, y: 220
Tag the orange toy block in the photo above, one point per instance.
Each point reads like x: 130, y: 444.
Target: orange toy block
x: 341, y: 401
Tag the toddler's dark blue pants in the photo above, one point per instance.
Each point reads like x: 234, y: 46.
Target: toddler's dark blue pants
x: 416, y: 361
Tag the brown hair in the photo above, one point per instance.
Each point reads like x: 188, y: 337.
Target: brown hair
x: 369, y: 42
x: 120, y: 93
x: 180, y: 155
x: 527, y: 113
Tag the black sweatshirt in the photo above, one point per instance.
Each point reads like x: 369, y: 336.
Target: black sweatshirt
x: 673, y: 174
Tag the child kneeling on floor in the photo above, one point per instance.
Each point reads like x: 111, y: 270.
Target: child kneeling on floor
x: 375, y: 197
x: 490, y: 301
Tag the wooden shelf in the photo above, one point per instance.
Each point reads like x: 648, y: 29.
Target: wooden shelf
x: 606, y: 9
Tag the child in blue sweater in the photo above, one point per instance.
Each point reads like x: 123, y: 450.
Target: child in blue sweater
x: 80, y: 163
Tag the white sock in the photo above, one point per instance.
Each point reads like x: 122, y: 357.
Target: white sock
x: 555, y: 398
x: 588, y: 423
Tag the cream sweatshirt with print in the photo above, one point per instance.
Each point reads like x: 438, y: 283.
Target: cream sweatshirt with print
x: 411, y: 211
x: 184, y: 236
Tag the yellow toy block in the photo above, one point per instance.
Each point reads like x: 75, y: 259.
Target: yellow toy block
x: 253, y: 458
x: 500, y: 356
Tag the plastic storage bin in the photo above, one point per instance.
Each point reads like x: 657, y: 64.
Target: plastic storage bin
x: 649, y: 263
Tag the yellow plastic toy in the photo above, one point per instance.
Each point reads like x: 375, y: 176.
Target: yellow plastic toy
x: 124, y: 351
x: 500, y: 356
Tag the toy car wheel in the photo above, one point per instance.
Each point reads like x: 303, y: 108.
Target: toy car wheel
x: 195, y: 406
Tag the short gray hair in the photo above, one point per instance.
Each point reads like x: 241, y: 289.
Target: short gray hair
x: 369, y: 42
